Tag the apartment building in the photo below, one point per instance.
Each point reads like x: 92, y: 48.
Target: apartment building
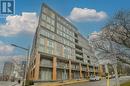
x: 8, y: 70
x: 59, y: 51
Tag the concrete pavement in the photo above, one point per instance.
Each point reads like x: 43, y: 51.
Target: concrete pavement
x: 9, y: 83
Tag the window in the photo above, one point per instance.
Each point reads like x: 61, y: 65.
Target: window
x: 46, y: 62
x: 67, y: 52
x: 48, y: 20
x: 50, y: 50
x: 50, y: 35
x: 42, y: 48
x: 52, y: 15
x: 50, y: 46
x: 61, y: 33
x: 58, y: 32
x: 48, y: 26
x: 58, y: 25
x: 43, y: 16
x: 42, y: 41
x: 43, y: 24
x: 63, y: 28
x: 50, y: 43
x: 58, y: 49
x: 52, y: 28
x: 43, y: 32
x: 52, y: 22
x: 71, y: 33
x: 49, y: 12
x: 68, y: 32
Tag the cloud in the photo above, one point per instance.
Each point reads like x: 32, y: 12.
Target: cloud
x: 95, y: 35
x: 27, y: 22
x: 85, y: 14
x: 5, y: 49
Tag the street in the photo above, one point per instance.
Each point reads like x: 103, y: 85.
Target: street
x: 102, y: 82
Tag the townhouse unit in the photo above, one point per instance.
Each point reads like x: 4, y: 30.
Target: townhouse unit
x: 59, y: 51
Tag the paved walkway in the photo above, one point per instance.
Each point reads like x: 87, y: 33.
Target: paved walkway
x: 9, y: 83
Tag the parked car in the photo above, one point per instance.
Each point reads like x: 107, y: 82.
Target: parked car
x: 95, y: 78
x: 110, y: 76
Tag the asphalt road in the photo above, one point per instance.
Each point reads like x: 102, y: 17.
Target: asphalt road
x: 102, y: 82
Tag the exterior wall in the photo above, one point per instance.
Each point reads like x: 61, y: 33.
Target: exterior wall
x: 59, y: 51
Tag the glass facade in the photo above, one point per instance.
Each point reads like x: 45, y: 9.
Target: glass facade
x: 60, y: 45
x: 56, y: 35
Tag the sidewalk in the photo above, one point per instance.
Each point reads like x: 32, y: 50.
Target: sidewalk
x: 16, y: 84
x: 60, y: 83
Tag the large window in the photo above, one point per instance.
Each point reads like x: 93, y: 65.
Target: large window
x: 67, y: 52
x: 47, y: 33
x: 48, y: 22
x: 49, y: 12
x: 42, y: 41
x: 42, y: 48
x: 46, y: 62
x: 62, y: 31
x: 48, y: 19
x: 50, y: 47
x: 45, y: 74
x: 44, y: 17
x: 58, y: 49
x: 51, y: 43
x: 41, y: 45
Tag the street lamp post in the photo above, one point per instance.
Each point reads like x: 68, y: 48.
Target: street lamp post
x: 27, y: 50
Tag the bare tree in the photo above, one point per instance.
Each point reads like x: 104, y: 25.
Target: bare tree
x: 106, y: 49
x: 118, y: 29
x: 114, y: 36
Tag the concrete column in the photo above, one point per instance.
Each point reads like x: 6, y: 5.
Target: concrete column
x: 70, y: 76
x: 88, y: 70
x: 62, y: 51
x: 80, y: 66
x: 54, y: 68
x: 37, y: 66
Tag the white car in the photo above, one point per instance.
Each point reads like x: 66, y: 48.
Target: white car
x: 94, y: 78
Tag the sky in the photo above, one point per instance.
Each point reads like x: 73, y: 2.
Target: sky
x: 87, y: 15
